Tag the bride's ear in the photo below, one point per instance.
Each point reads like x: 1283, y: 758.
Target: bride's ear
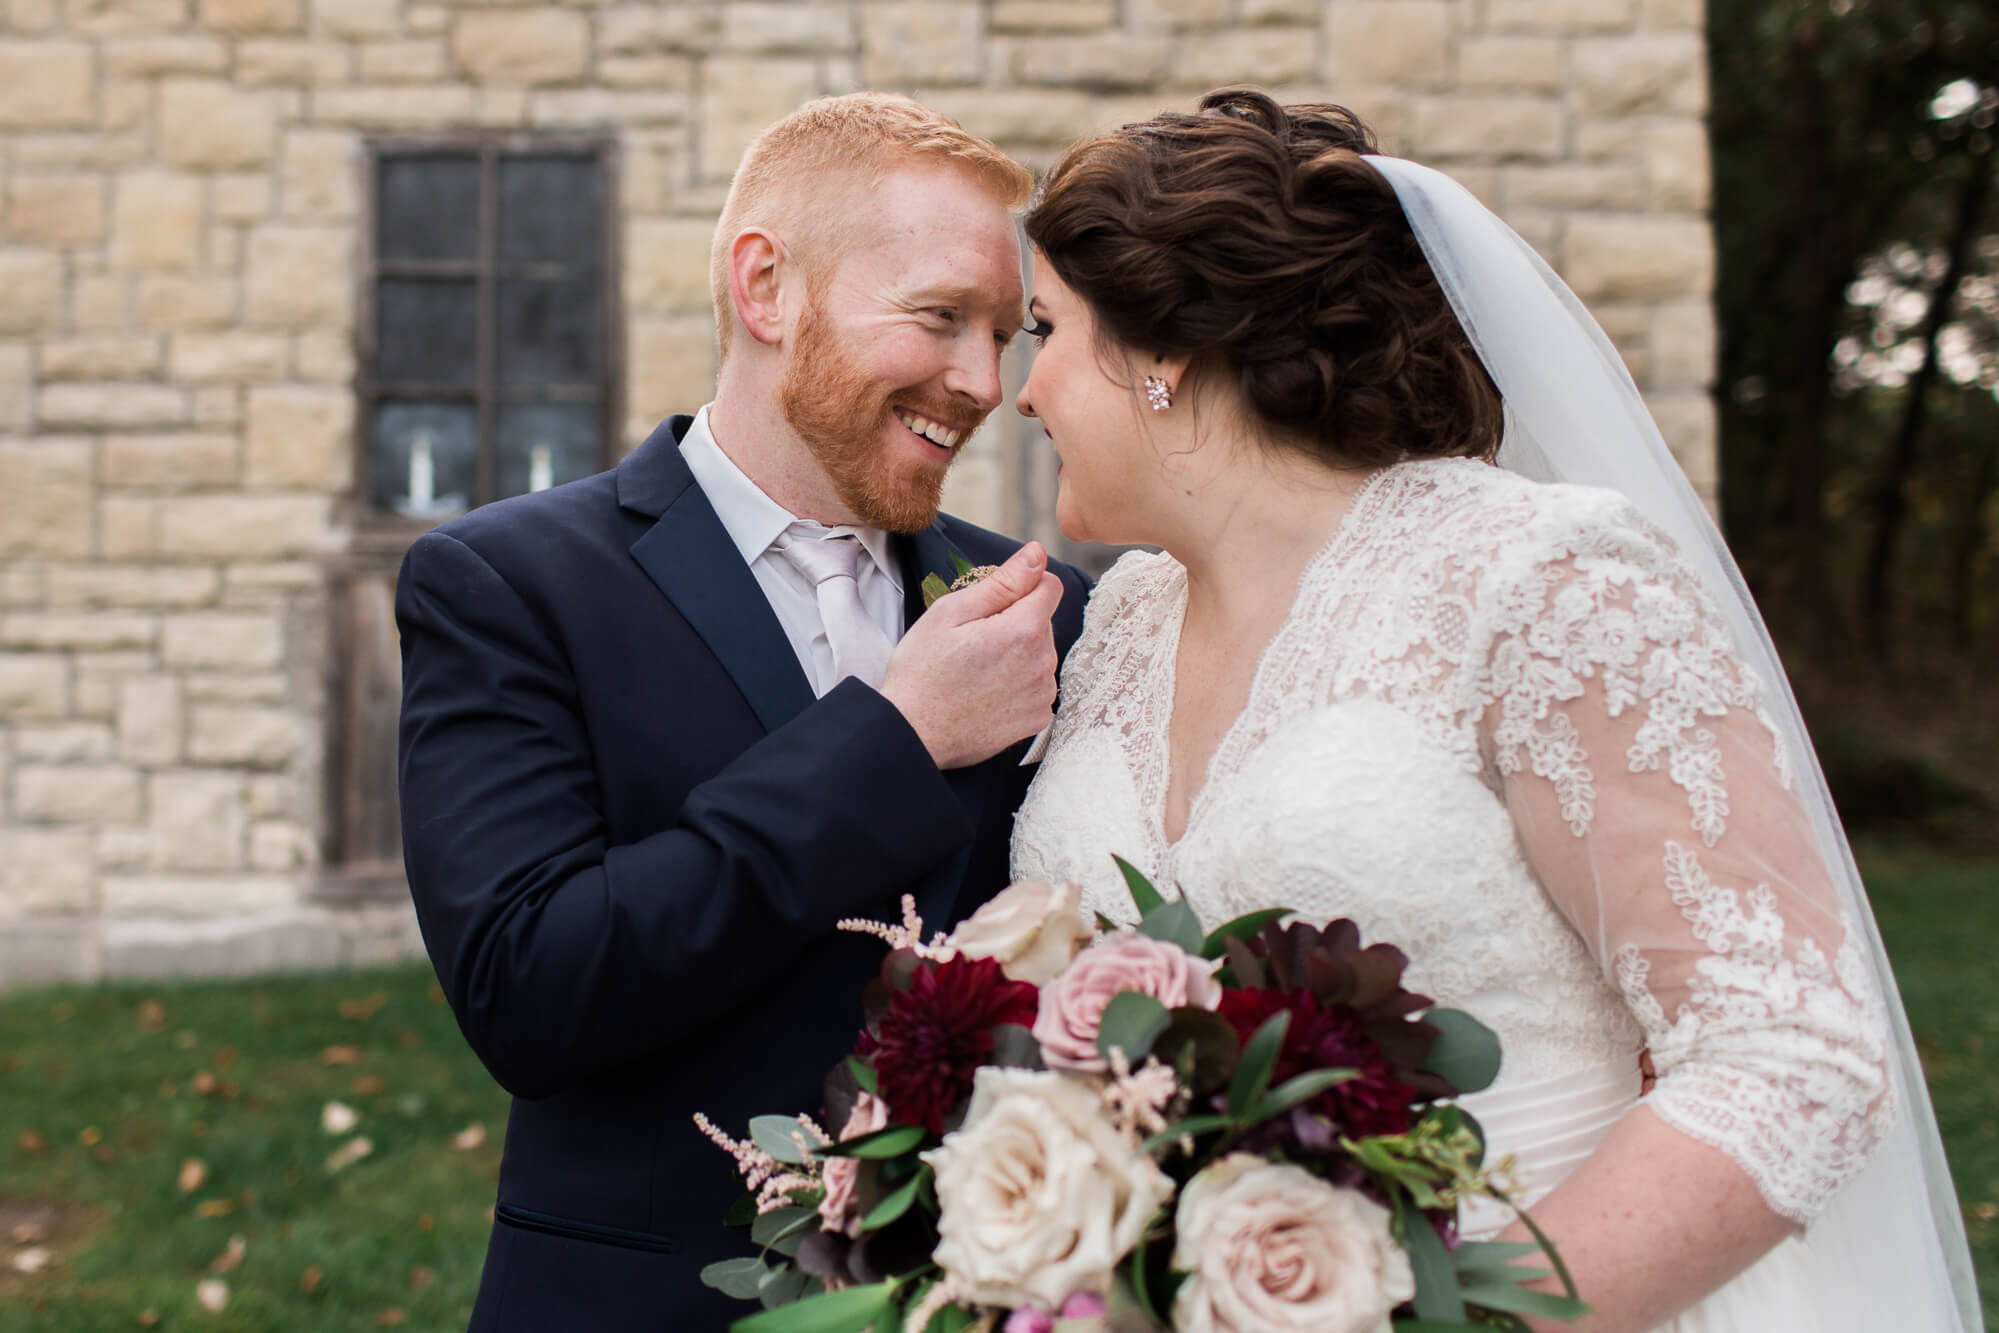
x: 1168, y: 370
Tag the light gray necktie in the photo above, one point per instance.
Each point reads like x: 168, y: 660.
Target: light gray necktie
x: 860, y: 647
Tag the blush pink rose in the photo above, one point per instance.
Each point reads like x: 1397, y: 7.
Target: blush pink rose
x: 1072, y: 1005
x: 840, y: 1175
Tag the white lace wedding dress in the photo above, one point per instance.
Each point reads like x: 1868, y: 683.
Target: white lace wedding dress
x: 1502, y: 729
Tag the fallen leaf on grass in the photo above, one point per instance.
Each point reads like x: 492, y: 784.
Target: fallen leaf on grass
x: 232, y: 1255
x: 421, y: 1277
x: 309, y: 1280
x: 27, y: 1233
x: 203, y: 1082
x: 228, y: 1055
x: 103, y: 1153
x: 390, y: 1317
x: 10, y: 1063
x: 426, y: 1222
x: 338, y: 1117
x: 214, y: 1208
x: 152, y: 1016
x: 349, y: 1153
x: 470, y: 1137
x: 368, y: 1085
x: 363, y: 1009
x: 436, y: 993
x: 212, y: 1293
x: 63, y: 1012
x: 192, y: 1173
x: 90, y: 1136
x: 199, y: 1129
x: 340, y: 1055
x: 31, y: 1260
x: 185, y: 1040
x: 148, y: 1317
x: 32, y: 1142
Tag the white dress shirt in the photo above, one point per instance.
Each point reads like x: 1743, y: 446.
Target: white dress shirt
x: 755, y: 521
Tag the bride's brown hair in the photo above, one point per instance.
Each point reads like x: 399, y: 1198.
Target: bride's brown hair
x: 1252, y: 238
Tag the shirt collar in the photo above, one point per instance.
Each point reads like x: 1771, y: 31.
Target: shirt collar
x: 752, y: 519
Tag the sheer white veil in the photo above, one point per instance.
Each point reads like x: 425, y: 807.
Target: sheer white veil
x: 1891, y: 1251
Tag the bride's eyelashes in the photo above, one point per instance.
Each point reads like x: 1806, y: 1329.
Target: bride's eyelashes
x: 1039, y: 330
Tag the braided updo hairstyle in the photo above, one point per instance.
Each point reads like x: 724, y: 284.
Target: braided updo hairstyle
x: 1252, y: 239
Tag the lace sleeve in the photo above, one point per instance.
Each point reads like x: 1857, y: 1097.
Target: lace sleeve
x: 1653, y: 798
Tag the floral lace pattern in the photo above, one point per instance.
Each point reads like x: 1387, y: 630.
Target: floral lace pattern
x: 1488, y: 693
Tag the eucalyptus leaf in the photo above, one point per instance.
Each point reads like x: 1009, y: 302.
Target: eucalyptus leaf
x: 961, y: 566
x: 1259, y: 1057
x: 846, y: 1311
x: 1245, y: 927
x: 743, y: 1211
x: 1131, y: 1021
x: 1302, y: 1088
x: 1143, y: 896
x: 1014, y: 1047
x: 1194, y: 1126
x: 1436, y: 1280
x: 1174, y: 923
x: 778, y: 1135
x: 891, y: 1142
x: 781, y: 1229
x: 1523, y: 1300
x: 1486, y: 1253
x: 864, y: 1075
x: 782, y: 1286
x: 1466, y: 1053
x: 738, y: 1278
x: 896, y: 1203
x: 934, y: 588
x: 1206, y: 1042
x: 1244, y: 968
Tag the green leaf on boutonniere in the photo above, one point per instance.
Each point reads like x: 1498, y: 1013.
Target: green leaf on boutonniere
x: 1259, y: 1058
x: 891, y: 1142
x: 1466, y: 1053
x: 933, y: 588
x: 1174, y: 923
x: 1143, y: 895
x: 1130, y: 1022
x: 961, y: 566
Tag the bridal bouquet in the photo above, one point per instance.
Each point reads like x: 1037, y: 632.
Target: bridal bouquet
x: 1047, y: 1128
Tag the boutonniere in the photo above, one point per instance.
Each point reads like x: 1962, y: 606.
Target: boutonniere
x: 967, y: 574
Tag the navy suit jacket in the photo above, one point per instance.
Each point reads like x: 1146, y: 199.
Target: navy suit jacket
x: 629, y: 829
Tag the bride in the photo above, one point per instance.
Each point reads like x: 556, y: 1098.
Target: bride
x: 1532, y: 733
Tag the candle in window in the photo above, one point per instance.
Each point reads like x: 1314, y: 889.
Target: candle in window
x: 423, y: 474
x: 541, y: 468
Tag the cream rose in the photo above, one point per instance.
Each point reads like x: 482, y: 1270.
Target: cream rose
x: 1072, y: 1005
x: 1040, y: 1197
x: 1273, y: 1249
x: 1031, y: 928
x: 838, y: 1210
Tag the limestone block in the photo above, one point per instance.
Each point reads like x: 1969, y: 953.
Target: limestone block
x: 181, y: 302
x: 274, y: 938
x: 1280, y: 11
x: 124, y: 104
x: 168, y: 462
x: 271, y: 796
x: 1686, y: 421
x: 644, y: 29
x: 570, y: 107
x: 321, y: 356
x: 248, y: 581
x: 64, y: 212
x: 17, y: 388
x: 221, y: 639
x: 280, y: 845
x: 112, y: 406
x: 123, y: 846
x: 672, y: 365
x: 1627, y: 327
x: 46, y: 85
x: 299, y: 436
x: 33, y: 685
x: 45, y: 494
x: 199, y: 821
x: 93, y: 150
x: 46, y: 872
x: 1509, y: 62
x: 526, y: 46
x: 99, y: 676
x: 300, y: 277
x: 100, y: 357
x: 48, y: 950
x: 206, y: 124
x: 1012, y: 116
x: 242, y: 526
x: 666, y: 264
x: 217, y: 406
x: 1672, y: 15
x: 242, y: 17
x: 106, y: 18
x: 1637, y: 258
x: 1683, y: 344
x: 136, y: 586
x: 357, y: 18
x: 813, y: 25
x: 128, y: 527
x: 922, y: 44
x: 1574, y: 185
x: 149, y: 57
x: 503, y: 108
x: 1052, y: 15
x: 426, y: 20
x: 156, y: 220
x: 1486, y: 127
x: 240, y: 197
x: 99, y: 303
x: 63, y: 742
x: 1104, y: 61
x: 1560, y: 15
x: 78, y: 629
x: 31, y: 15
x: 194, y: 897
x: 1245, y: 55
x: 1676, y: 165
x: 319, y: 173
x: 76, y: 793
x: 656, y: 72
x: 30, y: 291
x: 292, y: 64
x: 261, y: 688
x: 21, y: 585
x: 203, y: 358
x: 395, y: 107
x: 1175, y: 15
x: 233, y: 734
x: 1649, y: 73
x: 1405, y: 42
x: 740, y: 97
x: 415, y: 60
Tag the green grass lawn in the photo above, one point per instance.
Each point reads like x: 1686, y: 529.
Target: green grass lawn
x: 106, y: 1093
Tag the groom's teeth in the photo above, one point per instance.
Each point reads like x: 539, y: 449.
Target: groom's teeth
x: 930, y: 430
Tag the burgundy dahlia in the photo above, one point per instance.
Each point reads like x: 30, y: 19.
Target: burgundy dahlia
x: 936, y: 1034
x: 1328, y: 1037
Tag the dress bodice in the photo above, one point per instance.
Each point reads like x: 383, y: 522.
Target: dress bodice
x: 1501, y: 729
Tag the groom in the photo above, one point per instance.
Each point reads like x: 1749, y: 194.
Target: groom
x: 663, y: 727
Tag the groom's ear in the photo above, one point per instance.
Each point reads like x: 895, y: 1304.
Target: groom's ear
x: 757, y: 269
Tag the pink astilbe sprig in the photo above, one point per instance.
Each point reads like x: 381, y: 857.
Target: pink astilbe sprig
x: 935, y: 1301
x: 775, y: 1182
x: 1136, y: 1102
x: 908, y: 935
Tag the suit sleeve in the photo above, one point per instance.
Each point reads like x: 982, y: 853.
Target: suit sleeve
x: 564, y: 956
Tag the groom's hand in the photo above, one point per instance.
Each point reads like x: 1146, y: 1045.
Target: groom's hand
x: 977, y: 672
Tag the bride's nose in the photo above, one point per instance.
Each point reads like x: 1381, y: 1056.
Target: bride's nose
x: 1021, y: 402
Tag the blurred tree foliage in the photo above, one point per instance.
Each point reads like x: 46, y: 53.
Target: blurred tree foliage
x: 1858, y: 301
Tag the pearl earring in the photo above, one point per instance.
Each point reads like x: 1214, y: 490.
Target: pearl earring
x: 1158, y: 393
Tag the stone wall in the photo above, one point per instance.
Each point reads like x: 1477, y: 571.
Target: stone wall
x: 179, y: 223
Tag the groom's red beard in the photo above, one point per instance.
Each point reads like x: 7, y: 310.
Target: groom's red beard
x: 840, y: 411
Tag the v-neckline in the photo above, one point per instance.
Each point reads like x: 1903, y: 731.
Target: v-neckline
x: 1166, y: 666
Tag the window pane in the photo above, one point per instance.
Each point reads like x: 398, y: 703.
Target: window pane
x: 427, y: 331
x: 425, y: 460
x: 548, y: 331
x: 427, y: 207
x: 550, y: 209
x: 546, y: 444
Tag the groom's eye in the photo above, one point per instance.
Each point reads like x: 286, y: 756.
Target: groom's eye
x: 1039, y: 330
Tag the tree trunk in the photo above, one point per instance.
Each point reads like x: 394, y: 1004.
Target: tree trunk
x: 1970, y: 540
